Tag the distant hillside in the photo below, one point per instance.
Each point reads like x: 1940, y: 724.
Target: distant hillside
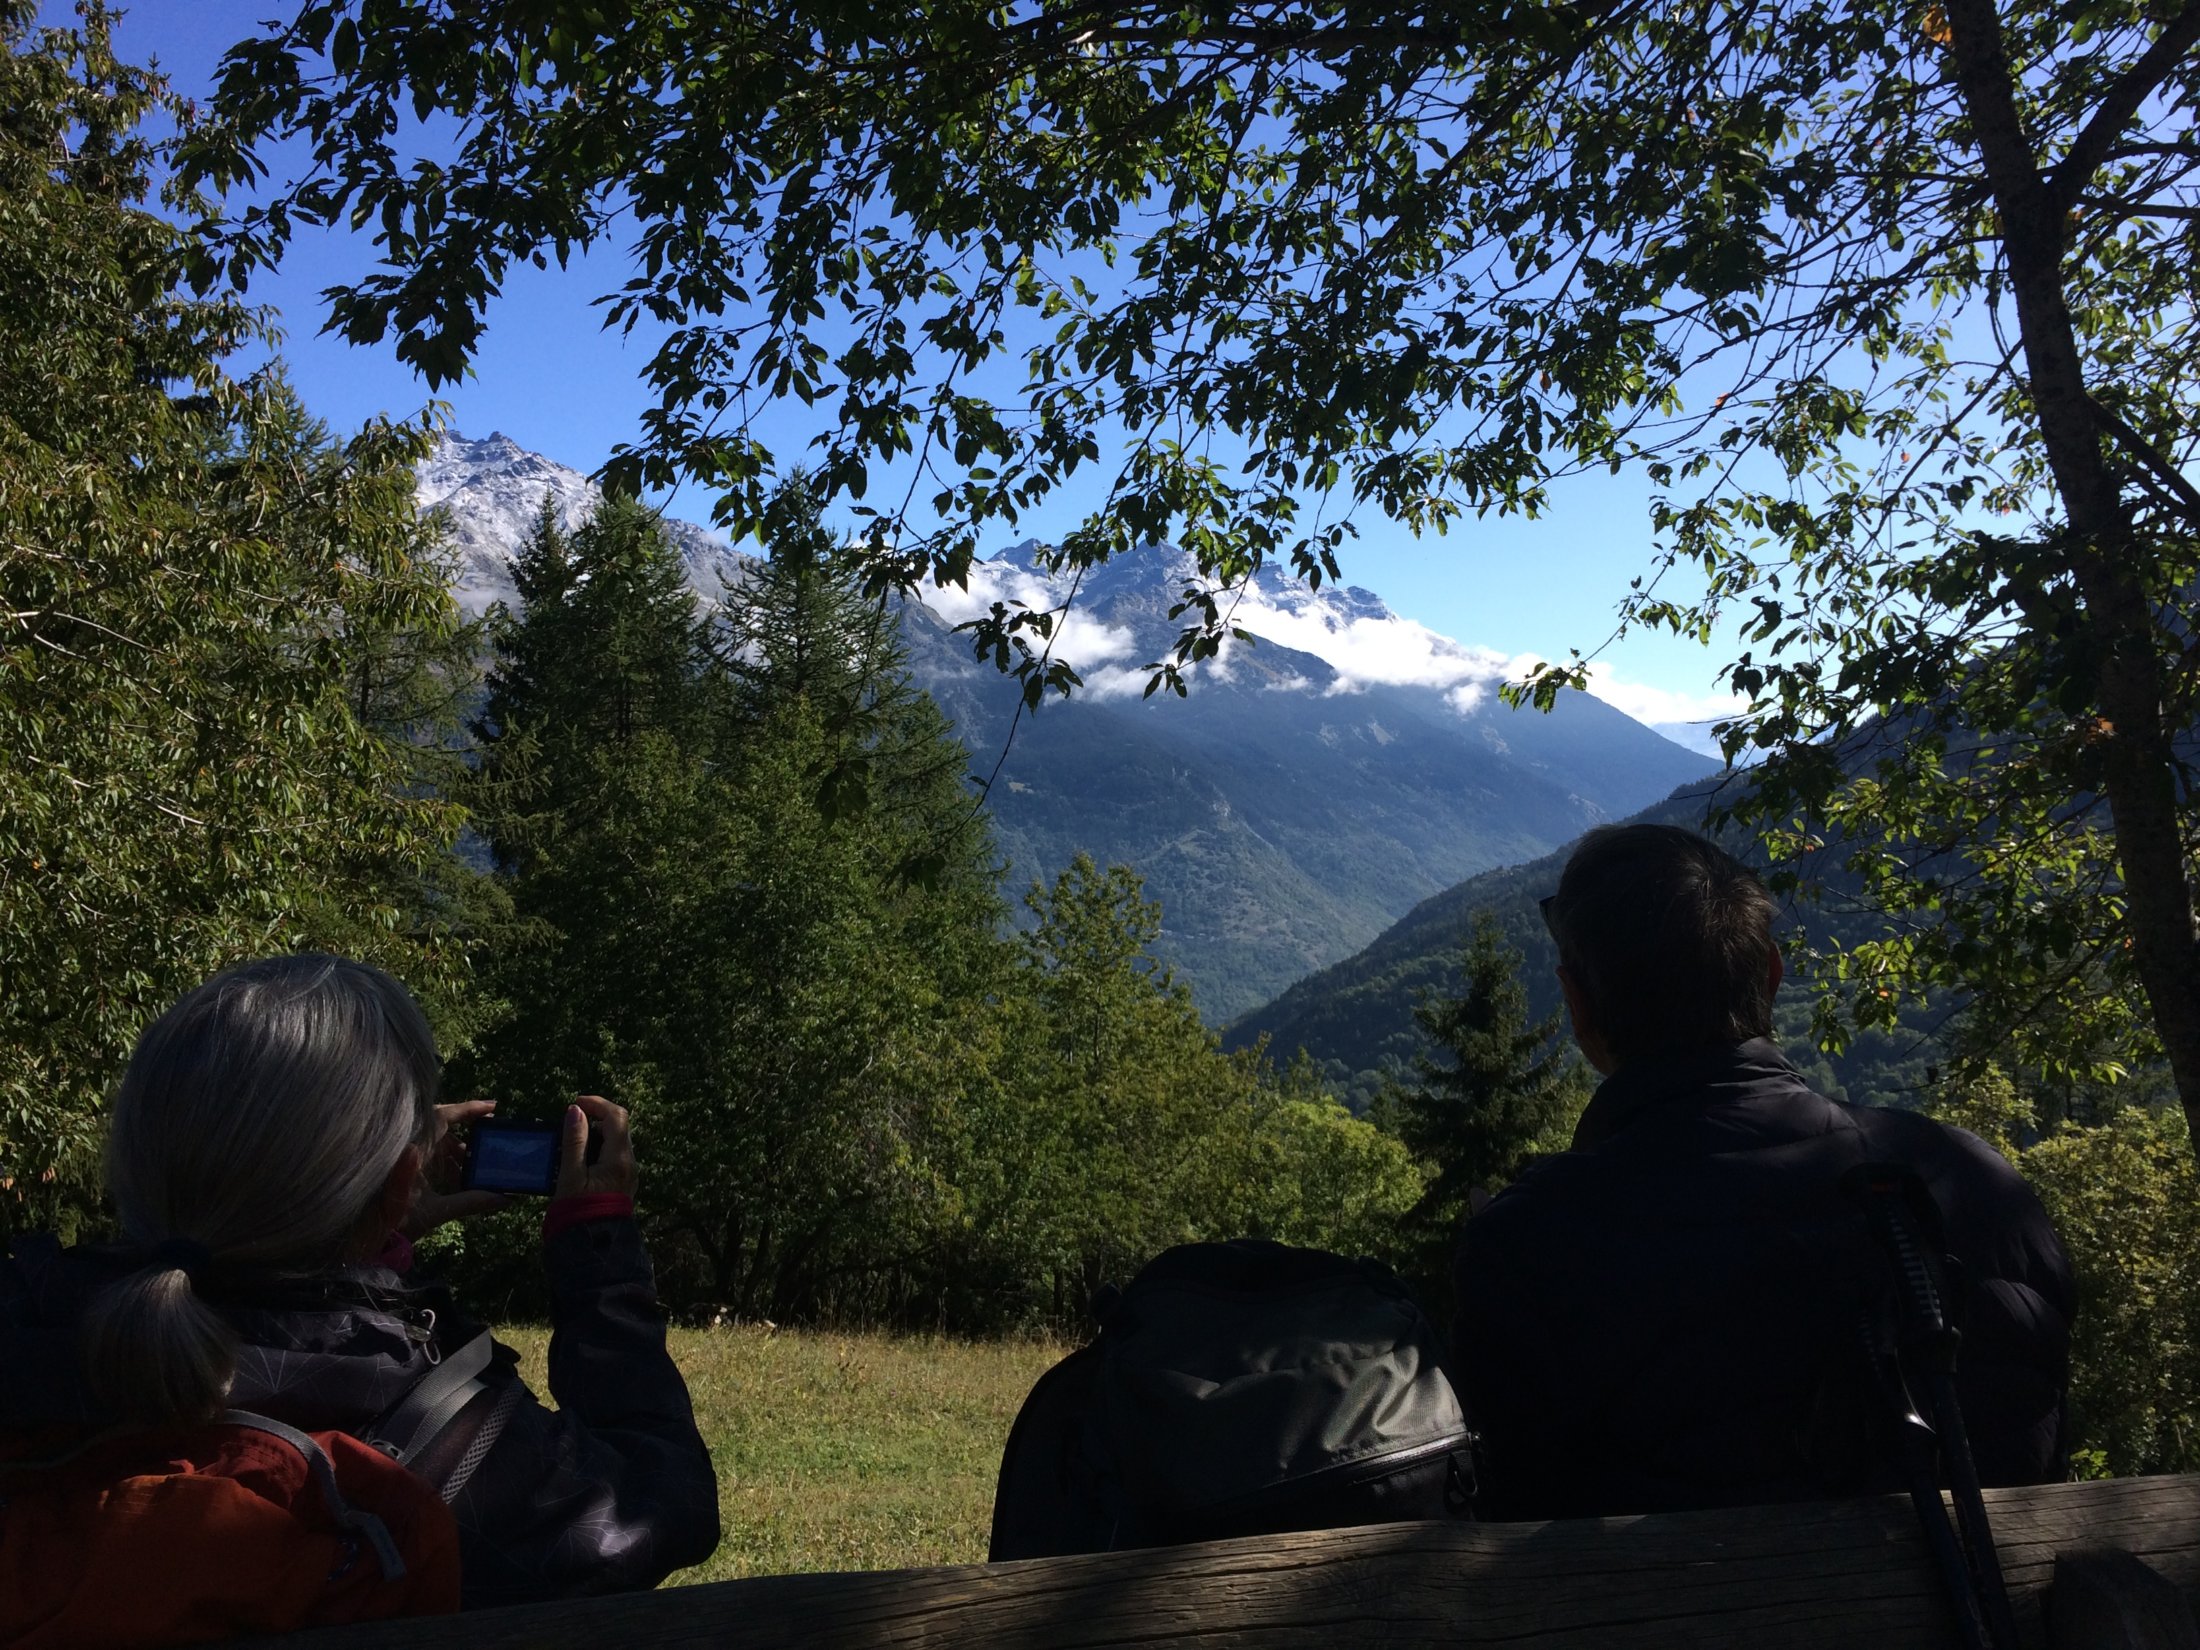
x: 1287, y: 810
x: 1355, y: 1017
x: 1312, y: 788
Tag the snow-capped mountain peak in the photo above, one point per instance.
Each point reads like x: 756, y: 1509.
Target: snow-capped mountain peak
x: 493, y: 490
x: 1327, y: 640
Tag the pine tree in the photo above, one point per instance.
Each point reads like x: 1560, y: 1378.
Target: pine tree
x: 595, y: 797
x: 798, y: 630
x: 605, y: 655
x: 801, y: 637
x: 1495, y: 1091
x: 756, y: 973
x: 854, y: 946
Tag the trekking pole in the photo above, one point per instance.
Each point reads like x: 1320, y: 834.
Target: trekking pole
x: 1920, y: 1450
x: 1927, y: 1343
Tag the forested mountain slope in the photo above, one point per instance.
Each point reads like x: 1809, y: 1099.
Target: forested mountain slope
x: 1284, y: 811
x: 1355, y: 1017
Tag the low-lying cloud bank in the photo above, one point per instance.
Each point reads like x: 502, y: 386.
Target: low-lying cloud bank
x: 1349, y: 630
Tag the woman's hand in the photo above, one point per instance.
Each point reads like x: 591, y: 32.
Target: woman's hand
x: 613, y: 1170
x: 436, y: 1198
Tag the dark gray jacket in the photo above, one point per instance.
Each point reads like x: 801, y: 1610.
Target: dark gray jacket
x: 1668, y: 1314
x: 612, y: 1490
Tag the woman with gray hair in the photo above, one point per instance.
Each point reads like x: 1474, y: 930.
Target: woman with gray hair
x: 269, y: 1158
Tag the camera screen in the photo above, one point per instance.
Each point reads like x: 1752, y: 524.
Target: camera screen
x: 513, y: 1160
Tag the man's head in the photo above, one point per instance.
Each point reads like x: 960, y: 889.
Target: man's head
x: 1664, y: 944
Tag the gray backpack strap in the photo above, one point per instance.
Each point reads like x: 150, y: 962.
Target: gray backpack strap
x: 407, y: 1428
x: 363, y: 1525
x: 484, y: 1440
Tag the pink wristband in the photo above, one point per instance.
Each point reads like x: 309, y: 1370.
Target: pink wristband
x: 571, y: 1211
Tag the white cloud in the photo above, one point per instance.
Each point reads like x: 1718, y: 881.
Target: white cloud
x: 1365, y: 644
x: 1368, y: 648
x: 1657, y: 705
x: 1081, y: 642
x: 1116, y: 681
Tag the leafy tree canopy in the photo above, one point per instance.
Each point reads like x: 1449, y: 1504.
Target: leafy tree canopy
x: 228, y: 659
x: 1120, y: 1127
x: 1890, y: 299
x: 2122, y: 1190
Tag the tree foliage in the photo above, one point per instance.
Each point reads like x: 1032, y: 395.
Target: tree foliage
x: 1891, y: 302
x: 754, y: 897
x: 1119, y: 1127
x: 227, y: 655
x: 696, y: 932
x: 1497, y: 1088
x: 2123, y: 1193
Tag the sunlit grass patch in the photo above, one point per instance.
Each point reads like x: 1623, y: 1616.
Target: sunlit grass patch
x: 845, y: 1452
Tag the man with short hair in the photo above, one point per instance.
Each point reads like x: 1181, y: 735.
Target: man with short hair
x: 1670, y: 1313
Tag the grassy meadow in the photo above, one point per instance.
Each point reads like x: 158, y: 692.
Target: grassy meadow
x: 845, y: 1452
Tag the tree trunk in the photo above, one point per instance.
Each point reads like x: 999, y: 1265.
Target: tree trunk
x: 2138, y: 768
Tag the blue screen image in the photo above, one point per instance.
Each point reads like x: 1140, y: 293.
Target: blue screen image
x: 514, y: 1160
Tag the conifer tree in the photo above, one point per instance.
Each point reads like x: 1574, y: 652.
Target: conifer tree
x: 1495, y: 1090
x: 801, y: 636
x: 754, y: 971
x: 595, y: 797
x: 857, y: 944
x: 604, y: 656
x: 796, y: 629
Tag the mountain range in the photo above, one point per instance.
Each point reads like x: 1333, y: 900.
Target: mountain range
x: 1310, y: 790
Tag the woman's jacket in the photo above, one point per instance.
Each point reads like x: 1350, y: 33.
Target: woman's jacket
x: 611, y: 1490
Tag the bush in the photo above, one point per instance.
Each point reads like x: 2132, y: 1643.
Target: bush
x: 2125, y: 1195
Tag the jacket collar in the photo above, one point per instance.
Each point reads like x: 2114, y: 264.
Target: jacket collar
x: 1643, y: 1086
x: 329, y: 1349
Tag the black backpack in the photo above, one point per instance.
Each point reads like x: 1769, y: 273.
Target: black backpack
x: 1238, y: 1388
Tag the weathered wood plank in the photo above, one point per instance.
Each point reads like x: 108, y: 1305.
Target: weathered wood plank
x: 2102, y: 1599
x: 1770, y: 1578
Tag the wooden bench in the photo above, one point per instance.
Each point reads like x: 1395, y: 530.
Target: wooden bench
x: 1848, y: 1574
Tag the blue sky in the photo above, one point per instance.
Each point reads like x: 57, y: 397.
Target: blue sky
x: 548, y: 376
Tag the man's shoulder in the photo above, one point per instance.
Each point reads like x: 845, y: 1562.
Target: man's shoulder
x: 1788, y: 1134
x: 1897, y: 1135
x: 1987, y: 1205
x: 1544, y: 1207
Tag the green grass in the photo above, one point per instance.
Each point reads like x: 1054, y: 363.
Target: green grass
x: 845, y: 1452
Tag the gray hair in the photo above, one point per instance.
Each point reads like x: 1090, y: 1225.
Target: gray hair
x: 255, y: 1125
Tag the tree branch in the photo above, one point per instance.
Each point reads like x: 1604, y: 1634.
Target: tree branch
x: 2132, y: 88
x: 2156, y: 462
x: 2124, y: 214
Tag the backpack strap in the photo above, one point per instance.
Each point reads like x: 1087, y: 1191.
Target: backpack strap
x: 406, y: 1430
x: 484, y: 1439
x: 364, y: 1525
x: 1916, y: 1355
